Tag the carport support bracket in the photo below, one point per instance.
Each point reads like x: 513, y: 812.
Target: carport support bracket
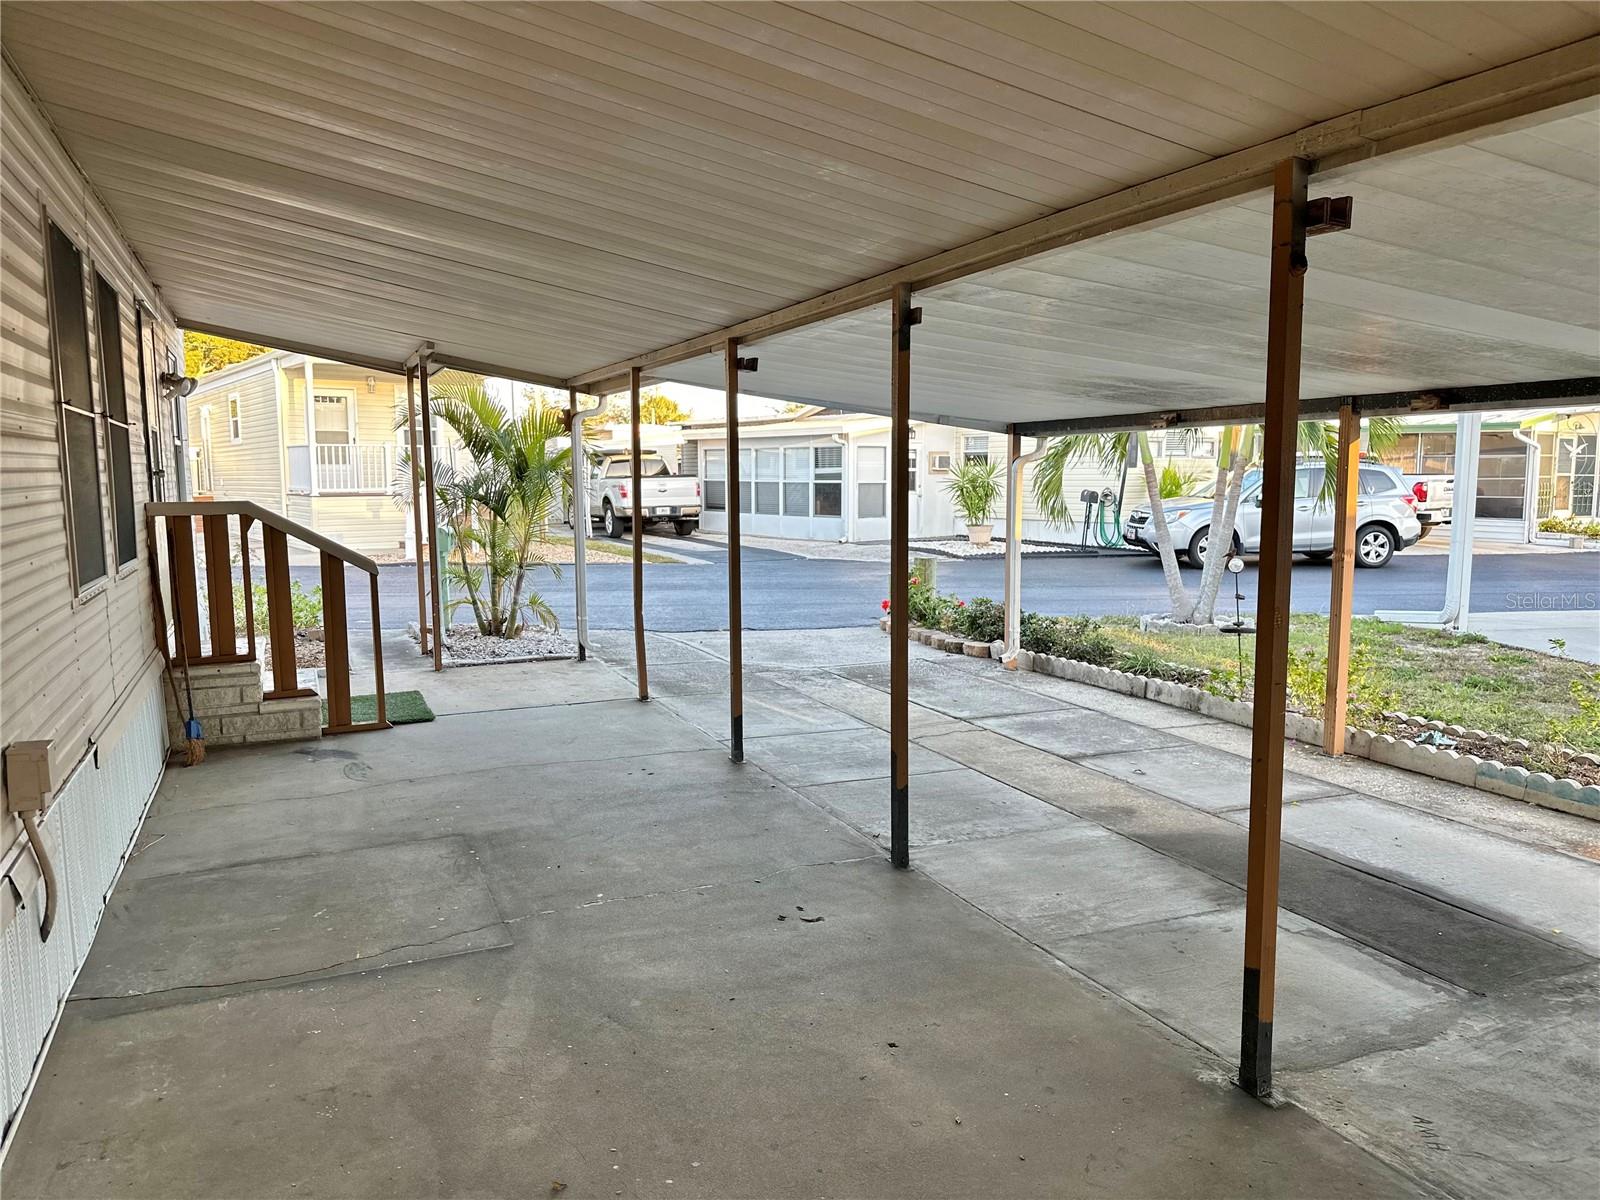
x: 902, y: 318
x: 730, y: 375
x: 1285, y: 306
x: 638, y: 538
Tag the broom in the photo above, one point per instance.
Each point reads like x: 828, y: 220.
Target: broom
x: 195, y: 751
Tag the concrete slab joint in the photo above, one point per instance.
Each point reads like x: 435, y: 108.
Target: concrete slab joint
x: 1564, y: 794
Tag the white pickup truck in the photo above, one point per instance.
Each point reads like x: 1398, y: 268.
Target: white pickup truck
x: 666, y: 497
x: 1436, y: 496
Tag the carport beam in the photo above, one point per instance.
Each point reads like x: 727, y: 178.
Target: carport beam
x: 638, y: 538
x: 431, y: 482
x: 730, y: 375
x: 1347, y: 488
x: 416, y: 508
x: 1285, y: 305
x: 902, y: 317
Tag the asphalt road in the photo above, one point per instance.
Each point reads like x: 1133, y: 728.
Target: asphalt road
x: 785, y: 592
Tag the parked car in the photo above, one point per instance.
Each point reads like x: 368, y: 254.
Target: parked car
x: 667, y: 497
x: 1436, y: 495
x: 1386, y: 520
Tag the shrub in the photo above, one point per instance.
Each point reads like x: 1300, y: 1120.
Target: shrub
x: 1140, y: 660
x: 975, y: 487
x: 304, y: 607
x: 1040, y: 634
x: 983, y: 620
x: 1083, y: 639
x: 1581, y: 526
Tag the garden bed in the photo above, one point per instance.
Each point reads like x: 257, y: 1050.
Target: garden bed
x: 464, y: 646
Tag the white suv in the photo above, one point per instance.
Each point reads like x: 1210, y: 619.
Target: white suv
x: 1386, y: 518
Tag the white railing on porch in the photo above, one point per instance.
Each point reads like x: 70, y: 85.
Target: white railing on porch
x: 345, y: 467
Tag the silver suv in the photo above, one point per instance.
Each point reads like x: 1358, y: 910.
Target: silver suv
x: 1386, y: 518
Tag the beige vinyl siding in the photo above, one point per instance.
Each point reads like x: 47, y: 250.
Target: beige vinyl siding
x: 65, y: 661
x: 365, y: 523
x: 252, y: 467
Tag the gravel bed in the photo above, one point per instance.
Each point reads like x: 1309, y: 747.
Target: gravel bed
x: 961, y: 548
x: 464, y: 646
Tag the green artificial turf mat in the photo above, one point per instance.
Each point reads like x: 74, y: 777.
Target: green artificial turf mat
x: 405, y: 708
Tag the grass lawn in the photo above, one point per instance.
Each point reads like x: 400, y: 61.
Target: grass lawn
x: 608, y: 548
x: 1462, y: 679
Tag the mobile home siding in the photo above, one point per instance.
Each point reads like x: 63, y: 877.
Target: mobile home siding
x: 77, y: 670
x: 252, y: 467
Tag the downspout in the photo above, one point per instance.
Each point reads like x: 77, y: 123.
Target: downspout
x: 1530, y: 485
x: 1014, y: 500
x: 845, y: 513
x: 580, y: 516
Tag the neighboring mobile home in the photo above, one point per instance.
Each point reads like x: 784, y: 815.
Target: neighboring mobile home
x: 89, y: 431
x: 332, y: 468
x: 822, y: 474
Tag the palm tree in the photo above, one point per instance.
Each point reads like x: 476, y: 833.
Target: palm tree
x: 1235, y: 451
x: 500, y: 509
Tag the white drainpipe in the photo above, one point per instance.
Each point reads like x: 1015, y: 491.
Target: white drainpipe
x: 580, y: 523
x: 1530, y: 485
x: 1014, y: 501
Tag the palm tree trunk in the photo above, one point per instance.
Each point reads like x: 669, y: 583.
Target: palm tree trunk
x: 1181, y: 606
x: 1224, y: 516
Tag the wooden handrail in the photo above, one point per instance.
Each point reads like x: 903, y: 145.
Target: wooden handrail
x: 275, y: 533
x: 249, y: 508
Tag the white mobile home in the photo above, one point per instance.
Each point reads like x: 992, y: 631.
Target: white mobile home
x: 91, y: 430
x: 823, y: 475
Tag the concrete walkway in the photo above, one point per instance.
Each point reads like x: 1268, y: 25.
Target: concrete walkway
x: 556, y: 938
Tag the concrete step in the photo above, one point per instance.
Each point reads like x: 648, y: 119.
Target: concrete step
x: 231, y: 708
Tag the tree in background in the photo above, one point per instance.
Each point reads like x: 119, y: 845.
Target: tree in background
x: 658, y: 408
x: 204, y: 353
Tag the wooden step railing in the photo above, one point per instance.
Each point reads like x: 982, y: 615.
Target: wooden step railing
x: 276, y: 530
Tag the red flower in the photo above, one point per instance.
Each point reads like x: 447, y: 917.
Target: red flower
x: 885, y: 606
x: 961, y: 603
x: 915, y: 581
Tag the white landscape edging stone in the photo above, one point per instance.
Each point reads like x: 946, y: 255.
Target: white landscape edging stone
x: 1453, y: 766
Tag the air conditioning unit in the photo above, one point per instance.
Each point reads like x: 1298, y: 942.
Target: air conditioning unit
x: 939, y: 461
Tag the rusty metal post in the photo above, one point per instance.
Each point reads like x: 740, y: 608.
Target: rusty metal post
x: 1285, y: 303
x: 902, y: 318
x: 638, y: 539
x: 730, y: 368
x: 1347, y: 489
x: 430, y: 481
x: 416, y: 509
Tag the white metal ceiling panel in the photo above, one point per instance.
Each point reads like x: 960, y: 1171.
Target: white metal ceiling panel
x: 555, y: 187
x: 1469, y: 264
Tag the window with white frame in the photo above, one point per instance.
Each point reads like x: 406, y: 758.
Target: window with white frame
x: 714, y: 474
x: 235, y: 418
x: 827, y: 498
x: 797, y: 481
x: 768, y: 480
x: 331, y: 418
x: 872, y: 481
x: 975, y: 448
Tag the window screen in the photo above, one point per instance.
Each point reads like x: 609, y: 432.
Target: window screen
x: 69, y: 342
x: 715, y: 465
x: 975, y: 448
x: 827, y: 498
x: 119, y: 435
x: 872, y: 469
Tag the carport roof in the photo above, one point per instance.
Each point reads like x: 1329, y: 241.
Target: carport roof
x: 559, y: 192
